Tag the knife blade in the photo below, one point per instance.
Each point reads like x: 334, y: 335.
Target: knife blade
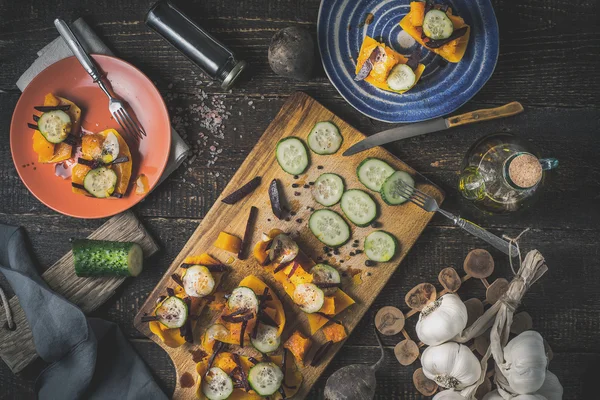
x: 434, y: 125
x: 401, y: 132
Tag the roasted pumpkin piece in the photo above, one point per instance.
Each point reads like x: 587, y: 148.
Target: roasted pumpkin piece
x: 316, y: 322
x: 170, y: 337
x: 453, y: 51
x: 202, y: 259
x: 380, y: 70
x: 78, y: 174
x: 335, y: 332
x: 62, y: 152
x: 298, y: 345
x: 91, y: 146
x: 123, y: 170
x: 292, y: 379
x: 328, y: 306
x: 260, y: 251
x: 342, y: 301
x: 228, y: 242
x: 43, y: 148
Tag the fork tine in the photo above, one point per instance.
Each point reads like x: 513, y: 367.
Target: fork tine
x: 417, y: 191
x: 127, y: 125
x: 121, y: 123
x: 415, y: 202
x: 139, y: 129
x: 132, y: 126
x: 406, y: 193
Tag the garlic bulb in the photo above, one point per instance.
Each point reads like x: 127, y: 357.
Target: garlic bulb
x: 551, y: 389
x: 451, y: 365
x: 441, y: 320
x: 525, y: 363
x: 494, y: 395
x: 448, y: 395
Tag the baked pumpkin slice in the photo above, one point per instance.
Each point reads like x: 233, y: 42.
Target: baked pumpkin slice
x: 438, y: 29
x: 56, y: 129
x: 386, y: 69
x: 104, y: 168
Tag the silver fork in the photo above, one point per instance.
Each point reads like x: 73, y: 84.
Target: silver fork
x: 429, y: 204
x: 115, y: 106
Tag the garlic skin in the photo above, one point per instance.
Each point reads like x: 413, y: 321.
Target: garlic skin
x: 448, y: 395
x: 441, y: 320
x: 551, y: 389
x: 525, y: 363
x: 494, y: 395
x: 451, y: 365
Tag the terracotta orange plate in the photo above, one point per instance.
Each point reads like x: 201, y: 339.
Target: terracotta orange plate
x: 68, y: 79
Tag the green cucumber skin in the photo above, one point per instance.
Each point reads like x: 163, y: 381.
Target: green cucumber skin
x: 305, y: 150
x: 101, y: 257
x: 396, y: 245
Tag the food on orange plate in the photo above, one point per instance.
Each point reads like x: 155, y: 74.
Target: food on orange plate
x: 56, y: 129
x: 104, y: 168
x: 386, y: 69
x: 142, y: 186
x: 435, y: 27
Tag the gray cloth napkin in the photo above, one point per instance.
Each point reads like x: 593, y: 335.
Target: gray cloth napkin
x: 58, y: 49
x: 91, y: 359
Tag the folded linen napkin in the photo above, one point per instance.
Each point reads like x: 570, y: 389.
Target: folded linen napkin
x: 91, y: 359
x: 58, y: 49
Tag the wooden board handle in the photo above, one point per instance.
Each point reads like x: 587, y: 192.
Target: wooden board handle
x: 486, y: 114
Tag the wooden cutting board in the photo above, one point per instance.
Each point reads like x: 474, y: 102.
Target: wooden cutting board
x: 406, y: 222
x: 16, y: 347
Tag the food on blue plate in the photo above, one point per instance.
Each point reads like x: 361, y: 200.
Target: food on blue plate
x: 55, y: 129
x: 438, y: 29
x: 104, y: 168
x: 386, y: 69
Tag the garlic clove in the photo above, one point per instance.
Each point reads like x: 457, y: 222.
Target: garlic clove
x: 494, y: 395
x: 448, y: 394
x: 441, y: 320
x: 551, y: 388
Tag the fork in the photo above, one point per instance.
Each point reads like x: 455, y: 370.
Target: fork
x: 429, y: 204
x: 115, y: 106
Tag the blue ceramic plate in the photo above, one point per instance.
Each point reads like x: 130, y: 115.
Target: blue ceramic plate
x: 444, y: 86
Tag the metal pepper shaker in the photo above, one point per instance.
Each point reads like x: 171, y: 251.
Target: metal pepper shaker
x: 195, y: 43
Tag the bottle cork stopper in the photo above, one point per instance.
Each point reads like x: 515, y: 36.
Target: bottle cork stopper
x: 525, y: 170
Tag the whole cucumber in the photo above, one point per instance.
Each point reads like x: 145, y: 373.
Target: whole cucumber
x: 106, y: 258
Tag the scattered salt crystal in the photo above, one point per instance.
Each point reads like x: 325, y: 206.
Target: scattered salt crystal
x: 217, y: 174
x: 250, y: 102
x: 212, y: 148
x: 170, y: 86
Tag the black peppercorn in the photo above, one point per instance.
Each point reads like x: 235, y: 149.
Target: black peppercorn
x: 299, y: 220
x: 358, y: 251
x: 295, y: 185
x: 319, y: 167
x: 370, y: 263
x: 296, y: 193
x: 296, y: 177
x: 375, y: 224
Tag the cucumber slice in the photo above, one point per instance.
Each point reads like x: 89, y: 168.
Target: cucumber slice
x: 110, y: 148
x: 372, y: 172
x: 292, y: 156
x: 198, y: 281
x: 283, y: 249
x: 172, y: 312
x: 325, y: 138
x: 437, y: 25
x: 329, y: 227
x: 323, y: 273
x: 401, y: 77
x: 393, y: 192
x: 243, y: 297
x: 100, y: 182
x: 55, y: 125
x: 309, y: 297
x: 359, y: 207
x: 266, y: 340
x: 328, y: 189
x: 106, y: 258
x: 380, y: 246
x: 217, y: 385
x: 265, y: 378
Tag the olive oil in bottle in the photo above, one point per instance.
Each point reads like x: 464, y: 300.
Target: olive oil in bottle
x: 501, y: 175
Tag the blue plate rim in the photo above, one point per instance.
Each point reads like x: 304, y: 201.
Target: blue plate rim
x: 460, y: 104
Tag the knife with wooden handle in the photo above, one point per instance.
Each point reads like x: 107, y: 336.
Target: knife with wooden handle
x: 434, y: 125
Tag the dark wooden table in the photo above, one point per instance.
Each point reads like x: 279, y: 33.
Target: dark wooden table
x: 549, y: 57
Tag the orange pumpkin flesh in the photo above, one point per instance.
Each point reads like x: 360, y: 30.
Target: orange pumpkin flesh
x: 335, y: 332
x: 298, y: 345
x: 228, y: 242
x: 453, y: 51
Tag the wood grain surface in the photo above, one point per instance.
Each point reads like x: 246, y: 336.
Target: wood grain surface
x: 16, y: 347
x: 406, y: 222
x: 549, y: 57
